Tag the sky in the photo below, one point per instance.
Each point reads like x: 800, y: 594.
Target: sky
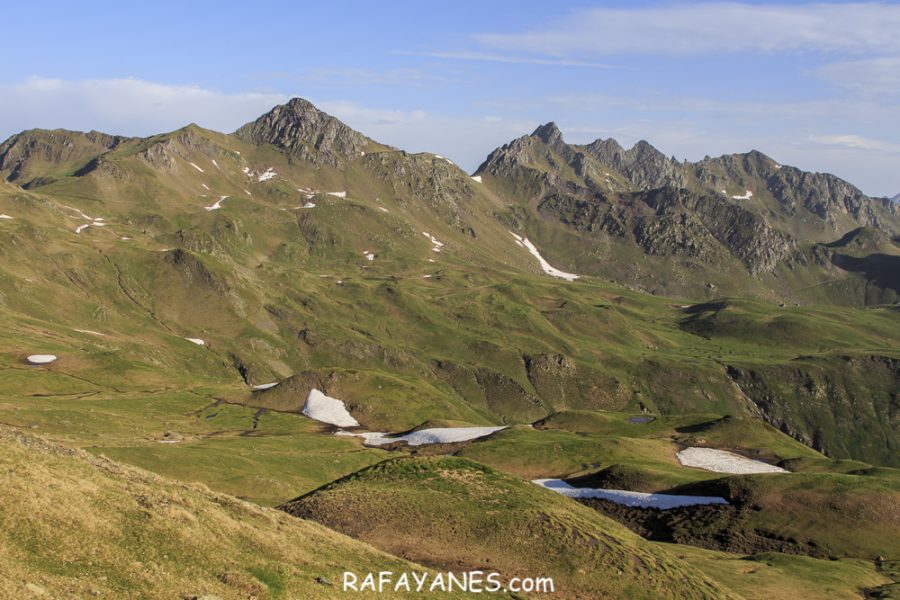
x: 815, y: 85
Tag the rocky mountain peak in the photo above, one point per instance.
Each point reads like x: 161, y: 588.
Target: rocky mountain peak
x: 548, y: 133
x: 304, y: 132
x: 644, y: 165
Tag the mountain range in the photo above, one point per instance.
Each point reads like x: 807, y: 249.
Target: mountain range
x: 174, y: 302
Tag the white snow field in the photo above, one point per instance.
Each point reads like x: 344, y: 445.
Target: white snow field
x: 423, y: 437
x: 722, y: 461
x: 269, y: 174
x: 548, y: 269
x: 41, y: 359
x: 476, y: 178
x: 626, y: 498
x: 215, y: 206
x: 197, y: 341
x: 327, y: 410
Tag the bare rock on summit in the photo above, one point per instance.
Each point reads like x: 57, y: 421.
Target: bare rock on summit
x: 304, y: 132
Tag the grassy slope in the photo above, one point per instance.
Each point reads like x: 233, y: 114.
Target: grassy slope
x: 72, y: 524
x: 525, y: 528
x: 491, y: 520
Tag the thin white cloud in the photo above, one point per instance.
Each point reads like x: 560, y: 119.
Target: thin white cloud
x: 870, y: 76
x: 501, y: 58
x: 124, y: 106
x: 720, y: 27
x: 856, y: 142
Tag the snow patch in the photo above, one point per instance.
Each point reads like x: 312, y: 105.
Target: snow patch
x: 205, y: 187
x: 265, y: 386
x: 81, y: 228
x: 423, y: 437
x: 196, y: 167
x: 327, y: 410
x: 476, y: 178
x: 722, y: 461
x: 309, y: 205
x: 747, y: 195
x: 197, y: 341
x: 215, y: 206
x: 89, y: 332
x: 381, y: 208
x: 269, y: 174
x: 41, y: 359
x: 338, y: 194
x: 369, y: 255
x: 435, y: 244
x: 627, y: 498
x: 548, y: 269
x: 6, y: 217
x: 215, y: 164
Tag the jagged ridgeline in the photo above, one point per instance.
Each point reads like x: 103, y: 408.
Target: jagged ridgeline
x: 736, y: 224
x: 296, y: 249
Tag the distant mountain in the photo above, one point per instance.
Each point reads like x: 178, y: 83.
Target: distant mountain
x: 734, y: 223
x: 896, y: 199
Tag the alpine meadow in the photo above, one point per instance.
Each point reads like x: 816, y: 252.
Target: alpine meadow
x: 264, y: 362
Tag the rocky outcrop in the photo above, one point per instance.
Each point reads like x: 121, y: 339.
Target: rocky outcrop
x: 305, y: 133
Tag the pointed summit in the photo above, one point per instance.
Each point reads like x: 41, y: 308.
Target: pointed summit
x: 303, y: 131
x: 548, y: 133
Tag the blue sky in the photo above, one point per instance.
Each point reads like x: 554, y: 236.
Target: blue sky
x: 816, y: 85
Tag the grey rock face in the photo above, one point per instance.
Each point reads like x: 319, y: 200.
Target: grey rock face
x: 304, y: 132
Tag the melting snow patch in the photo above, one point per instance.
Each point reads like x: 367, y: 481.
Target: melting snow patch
x: 327, y: 410
x: 476, y: 178
x: 196, y: 167
x: 423, y: 437
x: 5, y: 217
x: 549, y: 270
x: 747, y: 195
x: 627, y: 498
x: 381, y: 208
x: 777, y: 166
x: 215, y: 164
x: 309, y: 205
x: 205, y: 187
x: 370, y: 256
x: 246, y: 171
x: 81, y: 228
x: 197, y: 341
x: 721, y: 461
x: 265, y: 386
x: 338, y: 194
x: 88, y: 331
x: 217, y: 205
x: 269, y: 174
x: 125, y: 238
x: 41, y: 359
x: 435, y: 244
